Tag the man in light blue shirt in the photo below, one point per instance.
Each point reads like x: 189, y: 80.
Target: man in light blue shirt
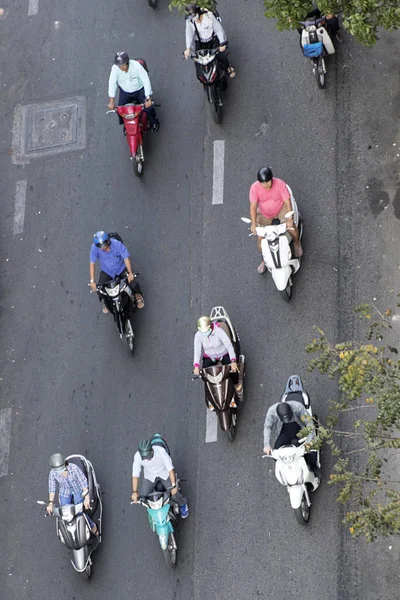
x: 133, y: 83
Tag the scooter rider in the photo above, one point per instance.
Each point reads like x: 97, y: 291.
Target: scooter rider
x: 157, y: 467
x: 270, y: 199
x: 73, y: 486
x: 283, y: 422
x: 115, y: 261
x: 204, y: 31
x: 213, y: 345
x: 133, y: 82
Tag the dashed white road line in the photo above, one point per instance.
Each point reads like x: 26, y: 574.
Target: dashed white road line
x: 33, y: 7
x: 19, y: 214
x: 211, y: 426
x: 5, y: 435
x: 218, y: 172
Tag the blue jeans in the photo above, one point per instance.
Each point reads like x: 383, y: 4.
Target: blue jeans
x: 76, y: 500
x: 137, y: 98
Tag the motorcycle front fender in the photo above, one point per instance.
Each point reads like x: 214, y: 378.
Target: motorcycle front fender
x: 225, y: 419
x: 296, y: 493
x: 281, y: 277
x: 79, y: 558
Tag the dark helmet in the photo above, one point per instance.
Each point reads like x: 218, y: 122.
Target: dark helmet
x: 285, y: 412
x: 57, y: 462
x: 101, y: 239
x: 192, y: 9
x: 264, y: 174
x: 145, y: 448
x: 121, y: 58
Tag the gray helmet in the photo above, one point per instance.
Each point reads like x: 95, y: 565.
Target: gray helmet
x: 57, y: 462
x: 145, y: 448
x: 121, y: 58
x: 285, y: 412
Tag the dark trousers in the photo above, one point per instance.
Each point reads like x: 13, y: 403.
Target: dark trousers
x: 136, y: 98
x: 286, y: 438
x: 148, y: 487
x: 212, y: 44
x: 225, y: 360
x: 104, y: 277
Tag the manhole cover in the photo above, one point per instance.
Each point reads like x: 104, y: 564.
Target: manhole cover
x: 48, y: 128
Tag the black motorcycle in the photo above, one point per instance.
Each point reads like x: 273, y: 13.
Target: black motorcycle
x: 121, y: 302
x: 213, y: 77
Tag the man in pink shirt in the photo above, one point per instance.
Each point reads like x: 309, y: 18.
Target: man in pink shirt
x: 270, y: 199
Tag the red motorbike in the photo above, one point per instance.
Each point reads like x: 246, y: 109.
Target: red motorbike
x: 135, y: 125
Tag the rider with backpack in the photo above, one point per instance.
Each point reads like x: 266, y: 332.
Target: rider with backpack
x: 204, y: 31
x: 153, y: 456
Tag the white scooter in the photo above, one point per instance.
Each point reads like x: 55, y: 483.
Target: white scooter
x: 278, y: 251
x: 291, y: 468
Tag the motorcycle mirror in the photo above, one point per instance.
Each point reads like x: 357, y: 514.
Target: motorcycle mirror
x: 289, y: 214
x: 246, y: 220
x: 41, y: 502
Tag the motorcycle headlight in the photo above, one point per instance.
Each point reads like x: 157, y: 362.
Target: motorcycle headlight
x: 112, y: 292
x: 288, y: 458
x: 156, y: 504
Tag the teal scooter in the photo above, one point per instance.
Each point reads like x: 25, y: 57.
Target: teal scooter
x: 162, y: 514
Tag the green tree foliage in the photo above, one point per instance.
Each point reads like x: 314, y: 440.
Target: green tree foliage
x: 361, y: 18
x: 180, y: 4
x: 363, y: 427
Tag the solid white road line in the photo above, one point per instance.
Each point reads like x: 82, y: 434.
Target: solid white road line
x: 218, y: 172
x: 33, y: 7
x: 5, y: 435
x: 211, y: 426
x: 19, y: 215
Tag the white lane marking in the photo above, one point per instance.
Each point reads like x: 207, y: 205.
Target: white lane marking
x: 211, y: 426
x: 218, y: 172
x: 33, y: 7
x: 5, y: 435
x: 19, y: 215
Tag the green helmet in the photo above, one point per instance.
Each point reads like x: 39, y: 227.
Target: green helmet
x: 57, y: 462
x: 145, y: 448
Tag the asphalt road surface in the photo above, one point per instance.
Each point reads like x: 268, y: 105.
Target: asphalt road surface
x: 68, y: 383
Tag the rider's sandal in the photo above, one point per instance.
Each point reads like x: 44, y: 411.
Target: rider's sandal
x: 261, y: 267
x: 231, y: 71
x: 105, y: 310
x: 299, y: 251
x: 140, y: 302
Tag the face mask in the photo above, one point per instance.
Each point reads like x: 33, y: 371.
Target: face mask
x: 206, y: 333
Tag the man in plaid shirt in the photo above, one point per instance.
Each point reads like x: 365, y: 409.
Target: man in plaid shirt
x: 73, y: 486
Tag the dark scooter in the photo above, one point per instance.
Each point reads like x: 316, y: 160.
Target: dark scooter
x: 121, y: 302
x: 220, y: 393
x: 214, y: 79
x: 72, y: 526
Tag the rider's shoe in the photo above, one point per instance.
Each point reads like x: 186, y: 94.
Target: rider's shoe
x: 184, y: 510
x: 156, y: 126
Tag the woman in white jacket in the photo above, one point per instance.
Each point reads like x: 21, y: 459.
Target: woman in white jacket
x: 204, y: 31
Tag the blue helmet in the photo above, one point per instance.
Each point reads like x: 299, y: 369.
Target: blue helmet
x: 101, y: 239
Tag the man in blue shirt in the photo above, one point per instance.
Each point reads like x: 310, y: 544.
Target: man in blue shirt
x: 133, y: 83
x: 114, y: 261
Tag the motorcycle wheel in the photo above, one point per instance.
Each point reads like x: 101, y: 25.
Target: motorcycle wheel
x: 216, y: 111
x: 171, y: 554
x: 320, y: 75
x: 286, y: 294
x: 303, y: 512
x: 153, y: 3
x: 231, y: 432
x: 137, y: 164
x: 130, y: 339
x: 88, y: 571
